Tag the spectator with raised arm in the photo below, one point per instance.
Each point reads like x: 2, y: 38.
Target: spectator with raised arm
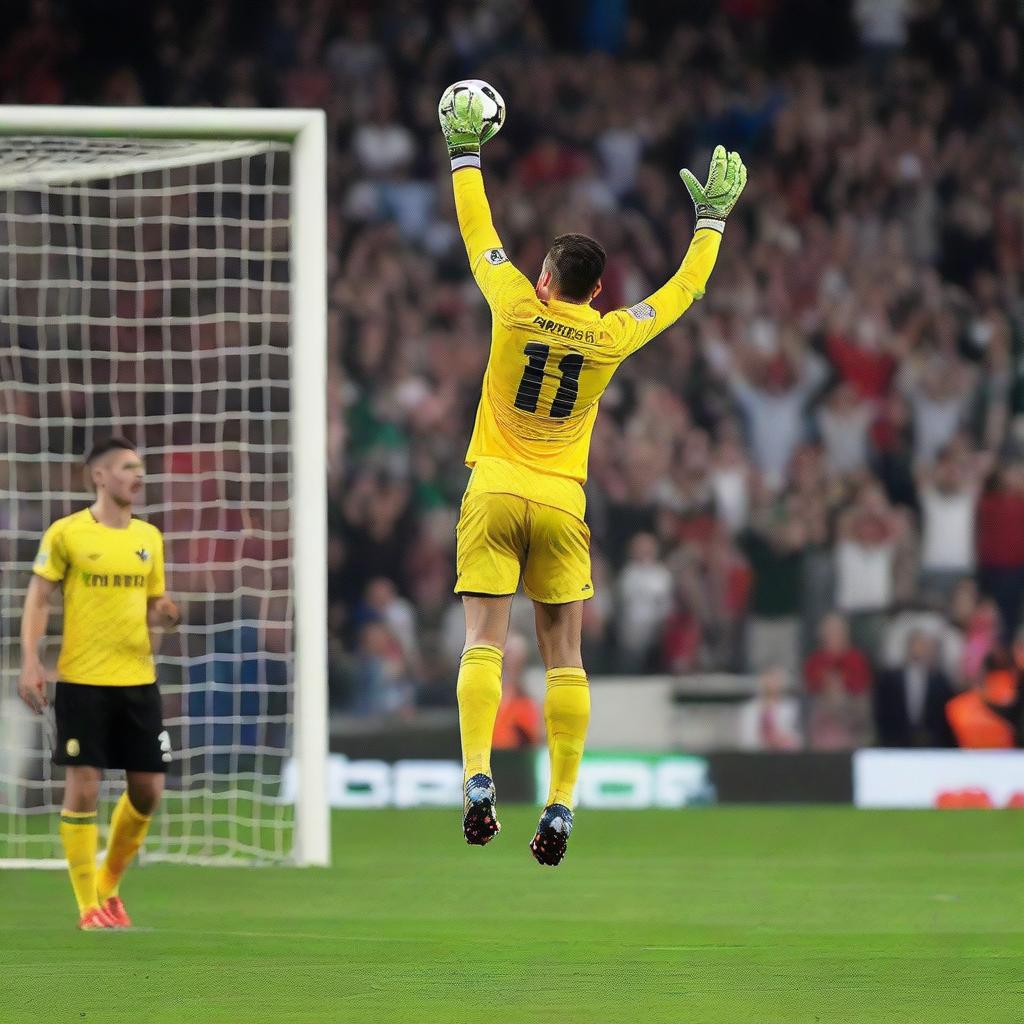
x: 772, y: 392
x: 948, y: 495
x: 873, y: 538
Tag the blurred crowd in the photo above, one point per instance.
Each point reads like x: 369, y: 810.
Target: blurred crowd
x: 817, y: 475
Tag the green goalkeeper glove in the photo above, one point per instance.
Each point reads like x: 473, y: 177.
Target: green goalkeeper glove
x: 714, y: 200
x: 463, y: 124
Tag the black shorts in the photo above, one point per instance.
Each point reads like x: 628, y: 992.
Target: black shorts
x: 111, y: 727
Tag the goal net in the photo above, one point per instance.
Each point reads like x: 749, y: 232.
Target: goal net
x: 151, y: 287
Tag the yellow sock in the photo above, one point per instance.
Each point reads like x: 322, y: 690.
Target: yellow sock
x: 567, y: 715
x: 479, y: 693
x: 128, y: 830
x: 79, y: 834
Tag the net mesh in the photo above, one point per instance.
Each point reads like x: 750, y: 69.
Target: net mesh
x: 154, y: 303
x: 53, y: 159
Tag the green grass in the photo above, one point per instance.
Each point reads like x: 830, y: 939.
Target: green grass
x: 738, y: 916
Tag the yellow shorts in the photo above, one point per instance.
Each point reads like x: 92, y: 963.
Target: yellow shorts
x: 503, y: 536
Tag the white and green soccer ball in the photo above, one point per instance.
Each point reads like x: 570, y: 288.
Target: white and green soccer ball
x: 493, y: 104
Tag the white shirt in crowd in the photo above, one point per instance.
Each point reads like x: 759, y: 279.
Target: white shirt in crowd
x: 948, y: 535
x: 645, y: 599
x: 935, y: 423
x: 382, y: 148
x: 759, y: 719
x: 845, y: 437
x: 882, y: 22
x: 621, y: 150
x: 864, y: 576
x: 732, y: 499
x: 400, y: 616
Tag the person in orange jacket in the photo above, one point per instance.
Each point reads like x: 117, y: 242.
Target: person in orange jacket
x: 987, y: 717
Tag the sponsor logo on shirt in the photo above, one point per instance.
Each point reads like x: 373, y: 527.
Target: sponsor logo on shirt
x: 42, y: 558
x: 496, y: 257
x: 641, y: 311
x: 143, y: 554
x: 104, y: 579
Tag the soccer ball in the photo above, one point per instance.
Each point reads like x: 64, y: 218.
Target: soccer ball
x: 494, y: 105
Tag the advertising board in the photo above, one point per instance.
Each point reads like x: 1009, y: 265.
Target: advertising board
x: 938, y: 778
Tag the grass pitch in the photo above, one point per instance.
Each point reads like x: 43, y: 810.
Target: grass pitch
x: 717, y: 916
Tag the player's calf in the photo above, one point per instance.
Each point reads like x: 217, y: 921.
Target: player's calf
x: 480, y: 820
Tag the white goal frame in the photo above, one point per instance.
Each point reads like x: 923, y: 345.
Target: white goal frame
x: 305, y: 132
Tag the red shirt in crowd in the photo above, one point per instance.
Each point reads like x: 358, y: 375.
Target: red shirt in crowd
x: 1001, y: 530
x: 549, y: 162
x: 680, y: 642
x: 851, y: 665
x: 868, y: 372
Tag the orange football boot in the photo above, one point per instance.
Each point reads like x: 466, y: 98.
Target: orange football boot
x: 94, y: 919
x: 114, y: 909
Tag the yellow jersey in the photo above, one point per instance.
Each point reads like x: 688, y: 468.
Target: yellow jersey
x: 108, y: 576
x: 550, y: 362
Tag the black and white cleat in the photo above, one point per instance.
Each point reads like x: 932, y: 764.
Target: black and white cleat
x: 548, y: 846
x: 480, y: 821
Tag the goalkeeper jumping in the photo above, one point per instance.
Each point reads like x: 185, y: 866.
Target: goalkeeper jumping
x: 552, y: 356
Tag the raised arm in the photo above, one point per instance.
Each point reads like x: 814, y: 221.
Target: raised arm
x: 501, y: 283
x: 474, y: 211
x: 499, y: 280
x: 663, y: 308
x: 713, y: 202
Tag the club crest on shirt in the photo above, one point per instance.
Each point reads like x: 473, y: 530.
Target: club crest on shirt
x: 143, y: 555
x: 642, y: 311
x: 496, y: 257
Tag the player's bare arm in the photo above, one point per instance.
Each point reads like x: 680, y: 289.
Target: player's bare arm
x: 35, y: 616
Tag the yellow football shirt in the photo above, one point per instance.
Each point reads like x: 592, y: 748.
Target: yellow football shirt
x: 550, y: 362
x: 108, y: 576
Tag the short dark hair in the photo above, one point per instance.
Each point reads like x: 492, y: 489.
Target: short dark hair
x: 108, y: 444
x: 576, y: 263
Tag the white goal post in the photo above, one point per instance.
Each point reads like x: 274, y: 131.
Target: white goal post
x: 231, y: 273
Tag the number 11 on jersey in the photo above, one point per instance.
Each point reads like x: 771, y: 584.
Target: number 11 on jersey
x: 569, y: 367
